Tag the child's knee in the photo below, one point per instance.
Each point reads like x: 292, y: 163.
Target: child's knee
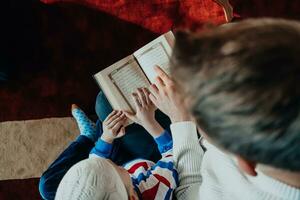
x: 102, y: 107
x: 45, y: 189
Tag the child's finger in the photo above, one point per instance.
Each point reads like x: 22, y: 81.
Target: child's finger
x: 142, y: 97
x: 146, y: 93
x: 130, y: 115
x: 153, y: 99
x: 136, y: 101
x: 121, y: 132
x: 110, y: 115
x: 115, y: 116
x: 116, y: 120
x: 118, y: 125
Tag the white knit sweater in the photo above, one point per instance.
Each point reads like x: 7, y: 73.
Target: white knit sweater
x: 214, y: 175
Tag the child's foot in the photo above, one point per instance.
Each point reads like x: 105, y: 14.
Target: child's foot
x: 86, y: 126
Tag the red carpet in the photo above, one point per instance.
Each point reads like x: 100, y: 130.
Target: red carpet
x: 159, y: 15
x: 19, y: 189
x: 267, y: 8
x: 52, y: 51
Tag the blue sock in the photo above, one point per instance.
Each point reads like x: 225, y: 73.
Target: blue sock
x: 86, y: 126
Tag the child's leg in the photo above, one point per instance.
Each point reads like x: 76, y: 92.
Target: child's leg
x: 137, y: 143
x: 77, y: 151
x: 102, y: 107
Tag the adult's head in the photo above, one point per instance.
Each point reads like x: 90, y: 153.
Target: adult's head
x: 244, y: 83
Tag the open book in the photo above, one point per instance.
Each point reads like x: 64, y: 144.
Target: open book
x: 121, y: 79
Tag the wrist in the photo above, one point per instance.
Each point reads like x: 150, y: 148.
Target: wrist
x: 154, y: 128
x: 181, y: 118
x: 107, y: 138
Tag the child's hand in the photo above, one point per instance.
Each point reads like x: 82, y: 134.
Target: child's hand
x: 113, y: 126
x: 145, y: 112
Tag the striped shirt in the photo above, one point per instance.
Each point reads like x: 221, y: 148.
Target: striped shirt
x: 150, y: 180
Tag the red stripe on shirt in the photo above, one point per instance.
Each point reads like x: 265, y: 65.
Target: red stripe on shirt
x: 150, y: 194
x: 162, y: 180
x: 136, y: 166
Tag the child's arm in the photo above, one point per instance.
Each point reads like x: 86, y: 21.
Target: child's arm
x: 113, y: 127
x: 145, y: 113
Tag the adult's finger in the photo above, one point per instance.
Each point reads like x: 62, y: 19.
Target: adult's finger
x: 163, y: 75
x: 142, y: 97
x: 159, y: 83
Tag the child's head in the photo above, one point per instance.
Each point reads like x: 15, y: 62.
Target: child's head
x: 95, y: 179
x: 243, y: 83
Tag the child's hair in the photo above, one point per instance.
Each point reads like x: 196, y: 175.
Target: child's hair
x: 90, y: 179
x: 244, y: 83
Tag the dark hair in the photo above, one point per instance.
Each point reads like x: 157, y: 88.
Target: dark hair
x: 244, y: 82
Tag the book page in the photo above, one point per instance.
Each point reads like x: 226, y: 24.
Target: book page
x: 127, y: 79
x: 157, y: 52
x: 119, y: 80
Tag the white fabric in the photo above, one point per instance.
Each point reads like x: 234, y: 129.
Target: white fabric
x: 214, y: 175
x: 92, y: 179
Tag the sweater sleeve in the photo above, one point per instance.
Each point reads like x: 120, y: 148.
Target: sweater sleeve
x: 188, y: 156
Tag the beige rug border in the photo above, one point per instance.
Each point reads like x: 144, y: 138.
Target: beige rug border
x: 28, y: 147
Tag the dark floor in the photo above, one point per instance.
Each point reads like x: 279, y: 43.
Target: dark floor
x: 51, y: 53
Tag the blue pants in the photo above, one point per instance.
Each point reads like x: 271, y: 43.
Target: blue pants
x: 137, y: 143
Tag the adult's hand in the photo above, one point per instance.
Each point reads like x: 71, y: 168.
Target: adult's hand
x: 167, y: 96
